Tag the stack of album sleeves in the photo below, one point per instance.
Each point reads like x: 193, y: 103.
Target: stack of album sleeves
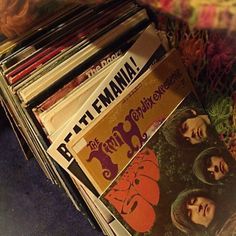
x: 48, y: 74
x: 97, y: 95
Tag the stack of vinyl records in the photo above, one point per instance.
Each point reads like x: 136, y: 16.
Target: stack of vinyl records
x: 96, y: 95
x: 53, y: 69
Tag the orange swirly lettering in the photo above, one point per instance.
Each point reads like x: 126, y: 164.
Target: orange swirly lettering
x: 136, y: 192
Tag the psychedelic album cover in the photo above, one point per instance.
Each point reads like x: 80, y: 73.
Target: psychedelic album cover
x: 103, y: 153
x: 182, y: 182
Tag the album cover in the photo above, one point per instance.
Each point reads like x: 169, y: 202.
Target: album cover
x: 129, y: 121
x: 180, y: 182
x: 130, y: 68
x: 79, y: 30
x: 31, y: 90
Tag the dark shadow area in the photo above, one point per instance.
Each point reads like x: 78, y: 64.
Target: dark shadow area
x: 29, y: 203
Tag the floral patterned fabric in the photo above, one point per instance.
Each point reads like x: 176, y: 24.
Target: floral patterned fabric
x: 220, y: 14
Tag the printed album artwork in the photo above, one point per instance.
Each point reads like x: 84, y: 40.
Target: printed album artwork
x: 142, y: 150
x: 180, y: 183
x: 90, y: 111
x: 103, y: 153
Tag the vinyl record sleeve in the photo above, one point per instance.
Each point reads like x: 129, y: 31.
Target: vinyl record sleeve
x: 11, y: 45
x: 129, y: 120
x: 154, y: 193
x: 141, y: 57
x: 31, y: 90
x: 80, y: 28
